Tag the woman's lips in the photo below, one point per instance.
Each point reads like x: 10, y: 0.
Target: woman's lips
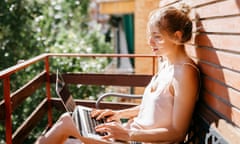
x: 154, y: 49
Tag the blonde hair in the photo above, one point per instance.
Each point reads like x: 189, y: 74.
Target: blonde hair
x: 172, y: 19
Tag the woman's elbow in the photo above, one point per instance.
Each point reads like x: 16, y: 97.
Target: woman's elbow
x: 180, y: 136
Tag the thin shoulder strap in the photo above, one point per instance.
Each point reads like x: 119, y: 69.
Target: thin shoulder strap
x: 192, y: 65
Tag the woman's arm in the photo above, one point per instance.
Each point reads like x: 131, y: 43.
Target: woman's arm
x: 115, y: 115
x: 129, y: 113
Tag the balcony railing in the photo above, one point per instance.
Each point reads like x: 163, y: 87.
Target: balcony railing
x: 11, y: 100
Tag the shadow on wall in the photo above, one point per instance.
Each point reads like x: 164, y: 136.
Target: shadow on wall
x: 211, y: 70
x: 238, y: 4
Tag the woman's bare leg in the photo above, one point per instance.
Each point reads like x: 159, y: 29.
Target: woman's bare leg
x: 60, y: 131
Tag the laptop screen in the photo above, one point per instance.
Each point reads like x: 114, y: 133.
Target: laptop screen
x: 63, y: 92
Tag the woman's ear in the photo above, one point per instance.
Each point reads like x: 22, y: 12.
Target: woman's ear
x: 178, y: 35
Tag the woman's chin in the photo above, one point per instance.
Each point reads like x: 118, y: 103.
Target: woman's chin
x: 156, y: 53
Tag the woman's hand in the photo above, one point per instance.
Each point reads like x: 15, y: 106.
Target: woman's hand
x: 114, y: 131
x: 109, y: 115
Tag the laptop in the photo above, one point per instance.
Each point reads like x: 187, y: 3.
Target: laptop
x: 63, y: 92
x: 80, y: 114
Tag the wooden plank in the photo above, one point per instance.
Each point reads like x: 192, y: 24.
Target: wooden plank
x: 22, y: 132
x: 56, y: 102
x: 203, y: 2
x: 206, y: 113
x: 222, y: 42
x: 105, y: 79
x: 225, y: 111
x: 226, y: 129
x: 224, y: 59
x: 9, y: 71
x: 220, y: 8
x: 229, y: 95
x: 21, y: 94
x: 165, y: 3
x: 229, y: 25
x: 116, y: 6
x: 228, y: 77
x: 141, y: 16
x: 218, y: 105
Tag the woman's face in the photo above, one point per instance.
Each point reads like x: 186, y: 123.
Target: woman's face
x: 159, y: 42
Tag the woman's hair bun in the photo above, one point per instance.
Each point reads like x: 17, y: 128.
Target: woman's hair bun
x: 184, y: 8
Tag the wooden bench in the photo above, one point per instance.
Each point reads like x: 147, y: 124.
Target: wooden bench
x: 200, y: 131
x: 215, y: 48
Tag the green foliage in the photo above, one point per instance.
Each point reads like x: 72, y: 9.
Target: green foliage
x: 31, y: 27
x: 16, y: 33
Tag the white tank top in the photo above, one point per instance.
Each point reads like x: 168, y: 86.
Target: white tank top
x: 156, y: 99
x: 157, y: 103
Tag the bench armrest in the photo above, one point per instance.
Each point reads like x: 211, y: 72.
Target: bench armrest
x: 130, y: 96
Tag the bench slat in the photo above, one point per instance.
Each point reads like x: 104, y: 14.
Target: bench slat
x: 218, y: 41
x: 229, y: 78
x: 223, y: 59
x: 224, y: 110
x: 164, y: 3
x: 227, y: 94
x: 198, y: 3
x: 221, y: 126
x: 229, y: 25
x: 220, y: 8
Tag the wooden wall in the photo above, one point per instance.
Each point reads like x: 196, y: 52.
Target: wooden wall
x: 116, y: 6
x: 142, y: 10
x: 216, y: 48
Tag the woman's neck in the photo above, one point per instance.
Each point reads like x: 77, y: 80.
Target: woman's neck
x: 177, y: 55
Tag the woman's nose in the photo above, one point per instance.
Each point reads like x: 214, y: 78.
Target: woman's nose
x: 151, y: 41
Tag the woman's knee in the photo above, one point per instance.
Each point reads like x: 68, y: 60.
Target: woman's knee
x: 66, y: 122
x: 65, y: 116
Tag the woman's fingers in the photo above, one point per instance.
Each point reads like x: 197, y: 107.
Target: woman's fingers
x: 101, y: 114
x: 109, y: 128
x: 95, y: 112
x: 104, y: 129
x: 104, y: 114
x: 114, y: 131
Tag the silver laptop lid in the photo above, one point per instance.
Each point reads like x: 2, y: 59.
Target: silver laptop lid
x: 63, y: 92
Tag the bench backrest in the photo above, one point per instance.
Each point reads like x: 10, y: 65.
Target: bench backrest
x: 216, y: 48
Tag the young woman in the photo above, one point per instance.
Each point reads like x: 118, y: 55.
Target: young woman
x: 168, y: 101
